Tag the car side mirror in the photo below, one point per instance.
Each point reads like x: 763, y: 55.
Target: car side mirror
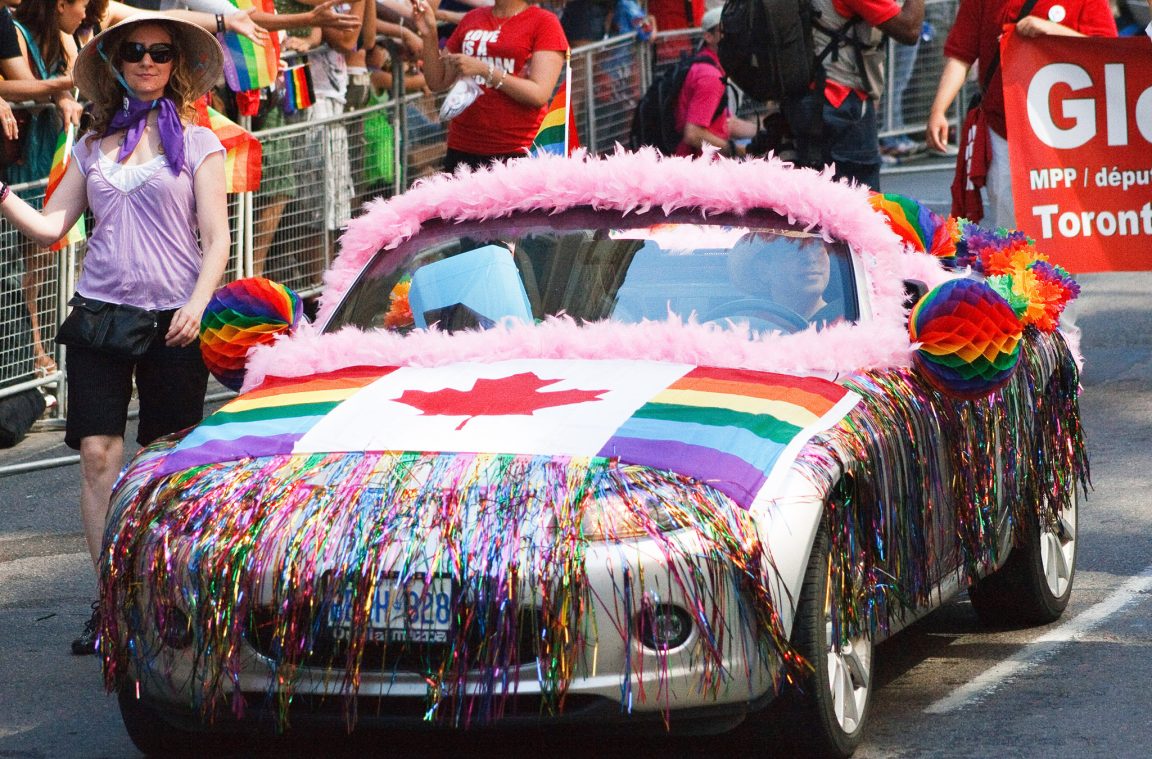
x: 914, y: 290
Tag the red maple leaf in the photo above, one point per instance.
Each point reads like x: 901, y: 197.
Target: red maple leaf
x: 518, y: 394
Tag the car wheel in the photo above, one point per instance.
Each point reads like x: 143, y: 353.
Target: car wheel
x: 831, y: 705
x: 1034, y: 584
x: 154, y: 736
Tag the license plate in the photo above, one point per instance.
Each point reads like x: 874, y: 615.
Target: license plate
x: 418, y: 610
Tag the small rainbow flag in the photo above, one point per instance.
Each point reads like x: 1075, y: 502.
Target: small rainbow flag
x: 242, y: 150
x: 55, y: 174
x: 557, y: 132
x: 248, y: 66
x: 268, y: 420
x: 728, y: 428
x: 298, y: 93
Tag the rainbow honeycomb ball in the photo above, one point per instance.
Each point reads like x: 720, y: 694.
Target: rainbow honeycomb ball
x: 970, y: 338
x: 242, y: 314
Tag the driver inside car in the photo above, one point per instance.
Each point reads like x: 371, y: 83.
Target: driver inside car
x: 786, y: 275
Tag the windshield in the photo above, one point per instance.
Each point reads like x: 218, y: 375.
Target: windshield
x: 755, y: 272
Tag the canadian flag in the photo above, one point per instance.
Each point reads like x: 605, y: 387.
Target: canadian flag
x: 528, y: 406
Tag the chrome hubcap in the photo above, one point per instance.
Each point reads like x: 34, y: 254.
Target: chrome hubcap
x: 1058, y: 550
x: 849, y: 678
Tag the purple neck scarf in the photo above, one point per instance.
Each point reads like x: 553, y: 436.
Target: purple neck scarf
x: 133, y: 117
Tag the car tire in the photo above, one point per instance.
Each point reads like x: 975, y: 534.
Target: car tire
x: 155, y: 736
x: 1034, y: 584
x: 829, y: 710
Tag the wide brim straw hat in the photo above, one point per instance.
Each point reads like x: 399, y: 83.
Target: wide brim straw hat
x: 198, y: 48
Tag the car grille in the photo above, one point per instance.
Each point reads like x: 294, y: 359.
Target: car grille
x: 515, y: 705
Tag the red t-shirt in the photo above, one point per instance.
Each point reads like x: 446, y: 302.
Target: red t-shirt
x: 496, y: 124
x: 872, y: 12
x: 673, y: 14
x: 700, y: 99
x: 975, y: 37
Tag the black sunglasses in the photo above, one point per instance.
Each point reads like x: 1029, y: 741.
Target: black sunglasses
x: 133, y: 52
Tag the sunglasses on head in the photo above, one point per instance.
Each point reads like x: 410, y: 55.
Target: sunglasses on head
x: 133, y: 52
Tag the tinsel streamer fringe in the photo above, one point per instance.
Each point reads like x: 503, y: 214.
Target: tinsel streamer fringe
x: 267, y: 548
x: 907, y: 454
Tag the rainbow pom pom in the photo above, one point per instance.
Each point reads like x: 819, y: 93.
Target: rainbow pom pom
x: 917, y: 225
x: 244, y: 313
x: 970, y: 338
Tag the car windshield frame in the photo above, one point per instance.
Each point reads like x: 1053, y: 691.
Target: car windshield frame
x: 610, y: 280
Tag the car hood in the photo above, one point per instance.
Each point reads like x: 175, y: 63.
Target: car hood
x: 514, y: 478
x: 733, y: 429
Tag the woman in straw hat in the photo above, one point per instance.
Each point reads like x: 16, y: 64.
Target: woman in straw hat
x: 155, y: 185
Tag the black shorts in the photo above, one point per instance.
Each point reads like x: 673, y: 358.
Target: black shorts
x: 171, y: 383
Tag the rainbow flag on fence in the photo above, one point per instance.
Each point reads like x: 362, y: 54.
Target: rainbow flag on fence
x: 248, y: 66
x: 729, y: 428
x: 55, y: 174
x: 557, y: 132
x: 298, y: 93
x: 242, y: 151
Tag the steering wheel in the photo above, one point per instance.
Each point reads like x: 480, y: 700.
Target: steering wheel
x: 770, y: 313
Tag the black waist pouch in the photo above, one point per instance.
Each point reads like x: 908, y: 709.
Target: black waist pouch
x: 114, y: 328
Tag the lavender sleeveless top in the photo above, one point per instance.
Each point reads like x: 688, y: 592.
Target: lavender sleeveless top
x: 143, y: 249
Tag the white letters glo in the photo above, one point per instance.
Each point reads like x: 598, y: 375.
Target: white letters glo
x: 1081, y: 112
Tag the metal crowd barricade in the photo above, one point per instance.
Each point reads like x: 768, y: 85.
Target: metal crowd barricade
x: 318, y: 173
x: 608, y: 78
x: 33, y: 291
x: 914, y: 72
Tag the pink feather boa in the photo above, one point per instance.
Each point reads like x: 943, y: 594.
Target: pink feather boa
x: 627, y: 183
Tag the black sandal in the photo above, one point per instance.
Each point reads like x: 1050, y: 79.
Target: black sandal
x: 85, y: 645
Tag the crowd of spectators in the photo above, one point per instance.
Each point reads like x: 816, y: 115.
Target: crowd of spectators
x: 340, y: 40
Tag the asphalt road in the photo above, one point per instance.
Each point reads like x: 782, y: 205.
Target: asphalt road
x: 947, y: 688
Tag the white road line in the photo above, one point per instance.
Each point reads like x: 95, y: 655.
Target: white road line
x: 1044, y: 646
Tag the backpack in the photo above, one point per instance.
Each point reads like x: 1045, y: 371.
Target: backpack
x: 654, y: 120
x: 767, y: 48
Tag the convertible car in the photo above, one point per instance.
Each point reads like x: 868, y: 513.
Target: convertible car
x: 631, y: 441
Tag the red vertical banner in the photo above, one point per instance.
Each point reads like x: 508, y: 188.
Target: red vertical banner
x: 1080, y: 138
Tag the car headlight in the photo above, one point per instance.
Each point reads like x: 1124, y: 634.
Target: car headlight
x: 634, y: 514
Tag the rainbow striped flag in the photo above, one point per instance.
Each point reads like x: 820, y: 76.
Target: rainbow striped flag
x: 242, y: 170
x: 557, y: 132
x: 298, y: 93
x: 55, y: 174
x: 736, y: 430
x: 268, y: 420
x: 728, y: 427
x: 248, y: 66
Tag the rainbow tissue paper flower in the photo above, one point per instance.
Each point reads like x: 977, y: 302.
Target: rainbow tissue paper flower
x: 919, y: 226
